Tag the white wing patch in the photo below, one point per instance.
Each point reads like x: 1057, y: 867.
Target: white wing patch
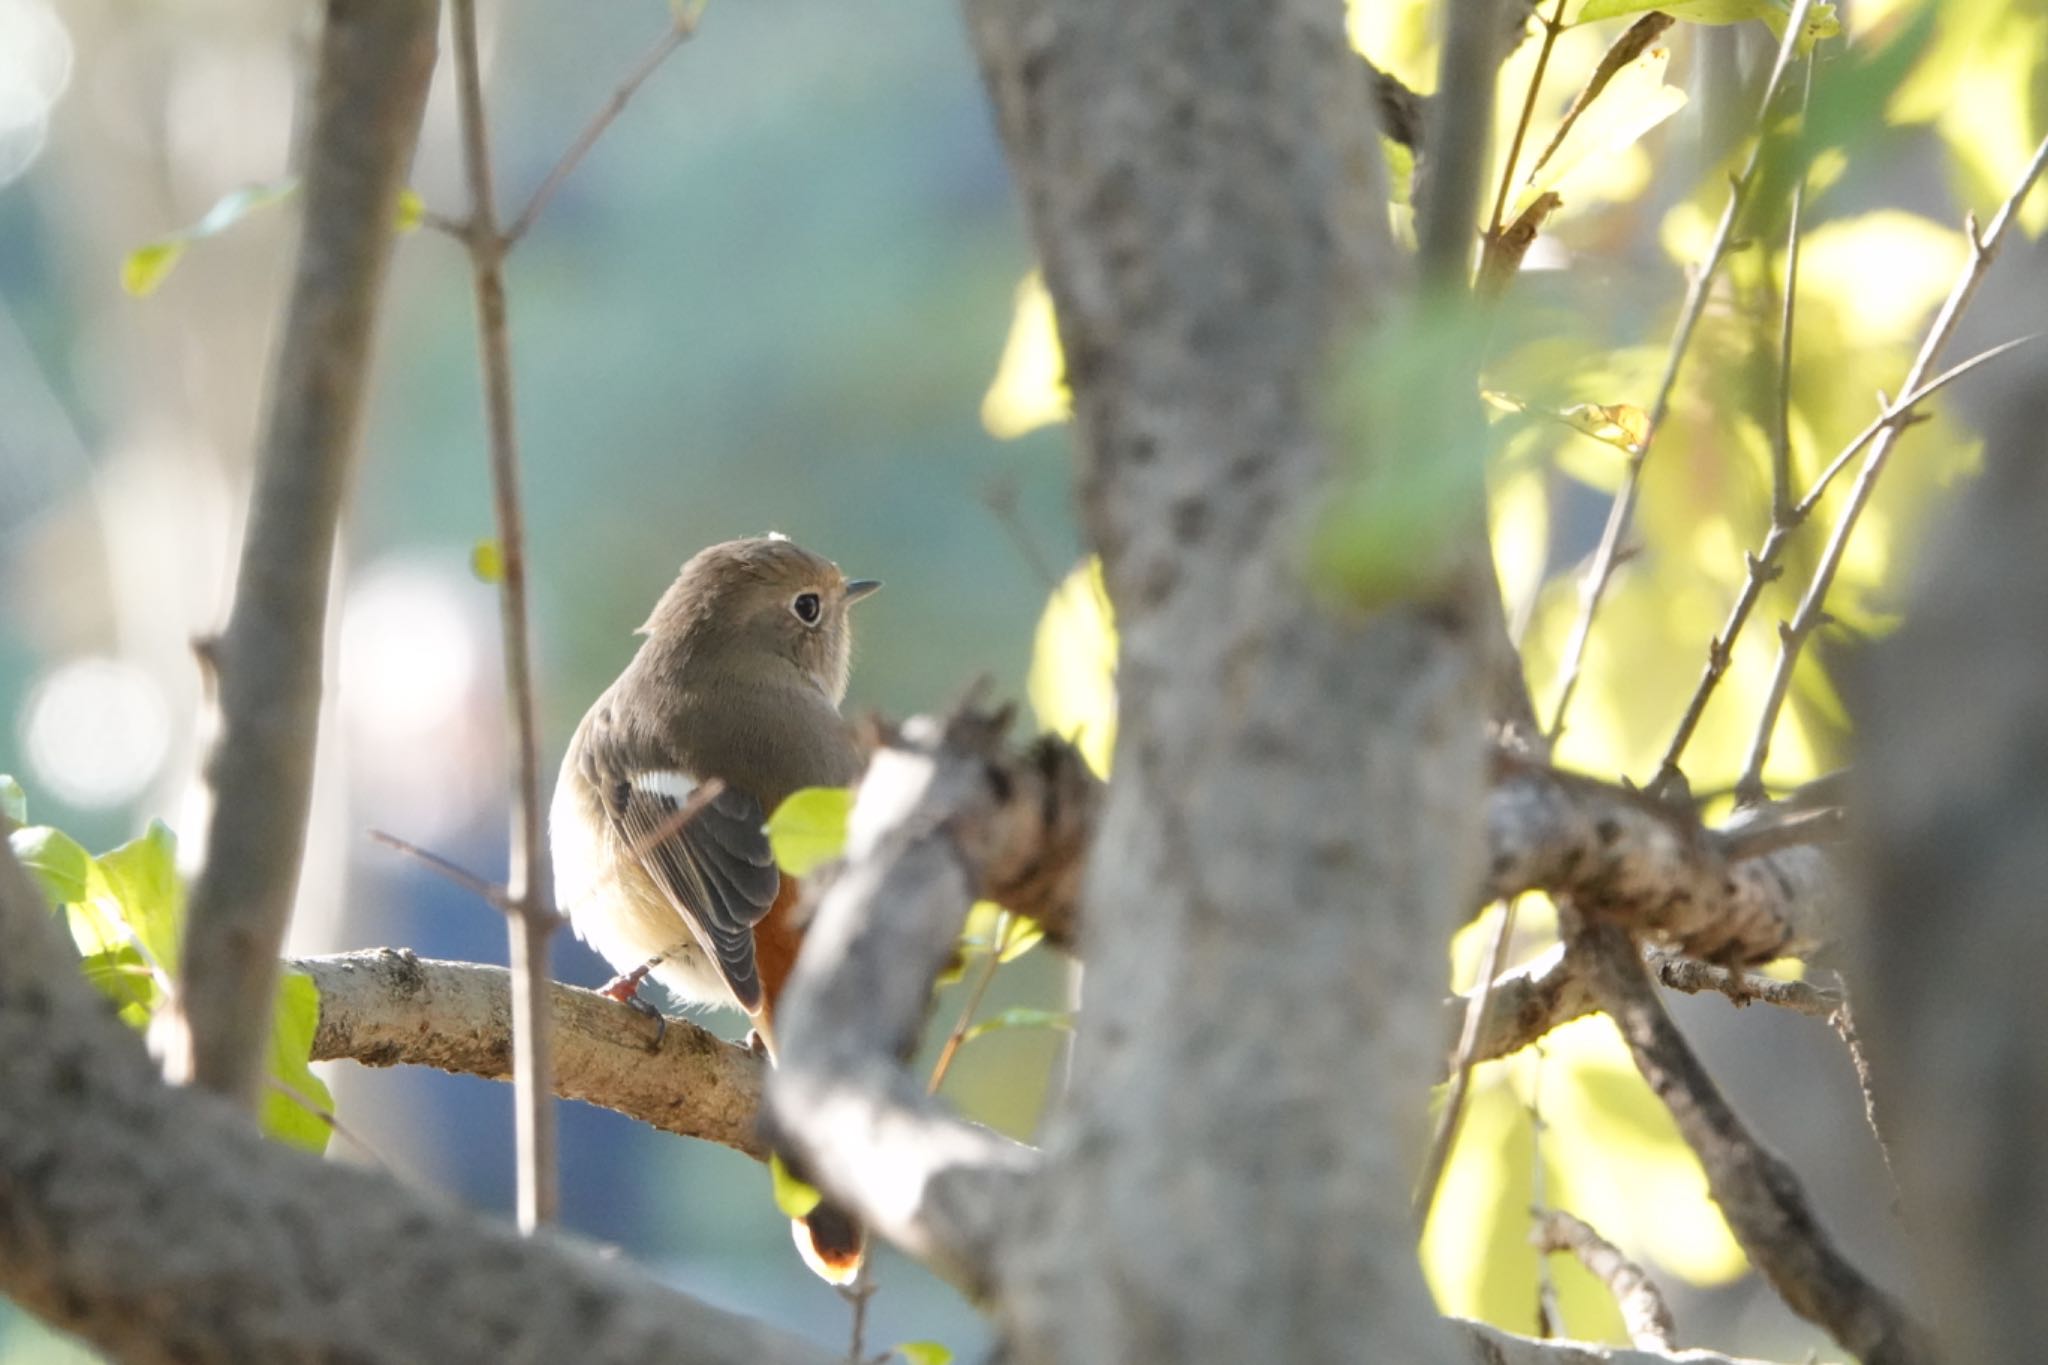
x: 675, y: 786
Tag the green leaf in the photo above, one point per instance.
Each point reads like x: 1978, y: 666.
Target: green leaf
x: 487, y: 560
x: 988, y: 922
x: 297, y: 1108
x: 923, y: 1353
x: 808, y: 829
x: 13, y: 801
x: 142, y: 878
x: 792, y: 1196
x: 123, y: 977
x: 1021, y: 1016
x: 144, y: 268
x: 412, y: 210
x: 58, y: 862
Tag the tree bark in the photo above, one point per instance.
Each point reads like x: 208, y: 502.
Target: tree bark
x: 157, y: 1224
x: 1292, y: 823
x: 375, y: 59
x: 1952, y: 856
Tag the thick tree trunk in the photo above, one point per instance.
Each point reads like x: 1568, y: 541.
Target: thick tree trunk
x: 1954, y: 858
x: 1291, y: 825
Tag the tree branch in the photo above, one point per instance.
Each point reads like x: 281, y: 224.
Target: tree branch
x: 375, y: 59
x: 1757, y: 1192
x: 157, y: 1225
x: 940, y: 812
x: 529, y: 886
x: 1491, y: 1346
x: 386, y: 1007
x: 1624, y: 857
x: 1643, y: 1310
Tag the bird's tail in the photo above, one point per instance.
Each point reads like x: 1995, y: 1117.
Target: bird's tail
x: 831, y: 1243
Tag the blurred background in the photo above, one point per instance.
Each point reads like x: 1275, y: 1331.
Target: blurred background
x: 776, y: 296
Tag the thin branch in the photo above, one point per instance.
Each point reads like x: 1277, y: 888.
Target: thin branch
x: 375, y: 62
x: 529, y: 885
x: 1643, y: 1310
x: 1622, y: 511
x: 1757, y: 1192
x: 1781, y: 430
x: 484, y: 889
x: 1552, y: 28
x: 679, y: 32
x: 1453, y: 1113
x: 1625, y: 49
x: 386, y: 1007
x: 1763, y: 565
x: 1693, y: 977
x: 1793, y: 635
x: 982, y: 980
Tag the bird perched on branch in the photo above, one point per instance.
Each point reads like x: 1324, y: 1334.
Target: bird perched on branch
x: 658, y: 823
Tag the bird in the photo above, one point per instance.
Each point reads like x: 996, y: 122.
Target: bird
x: 658, y: 823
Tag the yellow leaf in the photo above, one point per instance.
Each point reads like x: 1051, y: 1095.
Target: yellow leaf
x: 808, y: 829
x: 1073, y: 666
x: 487, y: 561
x: 1030, y: 387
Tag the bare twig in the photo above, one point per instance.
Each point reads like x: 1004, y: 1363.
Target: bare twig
x: 1643, y: 1310
x: 1793, y: 635
x: 374, y: 64
x: 1552, y: 28
x: 1781, y: 429
x: 1763, y: 564
x: 1605, y: 558
x: 999, y: 496
x: 1759, y: 1194
x: 1843, y: 1020
x: 530, y: 884
x: 486, y: 890
x: 679, y: 32
x: 1453, y: 1112
x: 1693, y: 977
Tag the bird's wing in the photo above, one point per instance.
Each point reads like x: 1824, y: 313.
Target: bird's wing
x: 715, y: 867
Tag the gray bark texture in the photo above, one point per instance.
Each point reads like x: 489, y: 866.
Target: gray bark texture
x: 375, y: 59
x: 157, y: 1224
x: 1293, y: 820
x: 1952, y: 855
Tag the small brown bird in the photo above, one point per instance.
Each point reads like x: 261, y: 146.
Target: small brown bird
x: 739, y: 680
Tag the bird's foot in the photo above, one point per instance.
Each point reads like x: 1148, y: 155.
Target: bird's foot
x: 625, y: 989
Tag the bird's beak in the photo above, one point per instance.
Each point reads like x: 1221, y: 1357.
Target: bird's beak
x: 861, y: 587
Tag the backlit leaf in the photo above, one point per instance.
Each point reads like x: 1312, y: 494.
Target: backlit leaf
x: 59, y: 864
x: 808, y: 829
x: 13, y: 801
x: 487, y: 561
x: 1073, y: 666
x: 295, y: 1108
x: 792, y: 1196
x: 924, y: 1353
x: 1030, y: 387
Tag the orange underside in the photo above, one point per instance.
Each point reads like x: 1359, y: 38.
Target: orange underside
x: 776, y: 939
x: 832, y: 1244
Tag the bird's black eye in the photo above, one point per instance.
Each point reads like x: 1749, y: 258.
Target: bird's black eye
x: 807, y: 608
